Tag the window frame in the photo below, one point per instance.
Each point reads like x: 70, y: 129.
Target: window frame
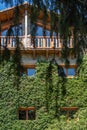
x: 69, y: 67
x: 68, y: 111
x: 26, y: 109
x: 26, y: 67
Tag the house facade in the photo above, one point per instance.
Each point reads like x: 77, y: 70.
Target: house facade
x: 34, y: 45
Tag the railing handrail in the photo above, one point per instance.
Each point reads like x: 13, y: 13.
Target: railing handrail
x: 58, y: 37
x: 37, y: 41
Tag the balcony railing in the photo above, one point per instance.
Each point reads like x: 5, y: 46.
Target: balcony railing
x: 34, y: 42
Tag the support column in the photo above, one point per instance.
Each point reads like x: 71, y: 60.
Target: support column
x: 0, y: 34
x: 0, y: 41
x: 26, y: 20
x: 27, y: 30
x: 47, y: 54
x: 34, y: 54
x: 26, y: 114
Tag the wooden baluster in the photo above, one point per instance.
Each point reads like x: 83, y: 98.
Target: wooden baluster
x: 28, y: 42
x: 3, y: 41
x: 37, y: 42
x: 20, y: 41
x: 0, y: 40
x: 41, y: 42
x: 44, y: 42
x: 71, y: 41
x: 59, y: 43
x: 50, y: 43
x: 47, y: 42
x: 14, y: 41
x: 56, y: 43
x: 10, y: 41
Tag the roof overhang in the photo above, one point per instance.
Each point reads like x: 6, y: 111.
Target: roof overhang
x: 7, y: 16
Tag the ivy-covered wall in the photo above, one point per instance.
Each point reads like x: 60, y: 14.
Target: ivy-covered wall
x: 45, y: 91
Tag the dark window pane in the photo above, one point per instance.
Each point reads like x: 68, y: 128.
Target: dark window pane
x: 31, y: 115
x: 71, y: 114
x: 22, y: 115
x: 64, y: 69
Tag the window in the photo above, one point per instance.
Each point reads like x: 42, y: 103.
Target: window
x: 22, y: 115
x: 30, y: 71
x: 71, y: 71
x: 31, y: 115
x: 28, y: 113
x: 68, y: 111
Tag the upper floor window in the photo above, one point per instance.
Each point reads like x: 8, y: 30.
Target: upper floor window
x: 30, y: 71
x: 71, y: 72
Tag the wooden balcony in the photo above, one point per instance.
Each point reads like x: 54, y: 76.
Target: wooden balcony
x: 31, y: 42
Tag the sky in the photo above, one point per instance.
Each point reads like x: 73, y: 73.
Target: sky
x: 2, y: 6
x: 14, y: 2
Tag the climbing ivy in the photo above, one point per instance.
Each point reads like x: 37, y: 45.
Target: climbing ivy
x: 33, y: 91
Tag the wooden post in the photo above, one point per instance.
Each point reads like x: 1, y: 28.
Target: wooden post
x: 26, y: 114
x: 34, y: 54
x: 46, y: 54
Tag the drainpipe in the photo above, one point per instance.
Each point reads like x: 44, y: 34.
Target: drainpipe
x: 26, y: 26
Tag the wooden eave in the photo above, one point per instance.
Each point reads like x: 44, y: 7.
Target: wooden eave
x: 7, y: 17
